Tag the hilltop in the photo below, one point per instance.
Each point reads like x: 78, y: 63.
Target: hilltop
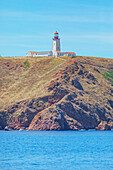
x: 64, y: 93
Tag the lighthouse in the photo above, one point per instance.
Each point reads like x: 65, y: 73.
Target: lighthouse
x: 56, y: 43
x: 55, y: 51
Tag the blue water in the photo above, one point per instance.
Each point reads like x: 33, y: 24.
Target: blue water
x: 32, y: 150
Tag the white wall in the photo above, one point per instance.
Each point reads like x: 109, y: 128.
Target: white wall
x: 56, y: 45
x: 38, y: 54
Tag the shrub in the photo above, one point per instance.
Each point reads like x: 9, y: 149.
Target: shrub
x: 27, y: 109
x: 108, y: 75
x: 26, y: 63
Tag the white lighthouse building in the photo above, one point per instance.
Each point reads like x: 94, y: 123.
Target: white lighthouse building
x: 56, y: 51
x: 56, y: 43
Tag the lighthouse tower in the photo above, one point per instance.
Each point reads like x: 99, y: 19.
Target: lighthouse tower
x: 56, y: 43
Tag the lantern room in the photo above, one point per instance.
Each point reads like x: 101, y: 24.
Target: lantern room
x: 56, y: 35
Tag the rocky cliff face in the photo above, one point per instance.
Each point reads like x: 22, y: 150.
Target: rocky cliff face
x: 70, y: 110
x: 79, y: 97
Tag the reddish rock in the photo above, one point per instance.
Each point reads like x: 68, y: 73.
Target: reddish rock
x: 103, y: 126
x: 69, y: 104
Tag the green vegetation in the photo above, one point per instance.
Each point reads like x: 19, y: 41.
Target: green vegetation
x: 16, y: 114
x: 108, y: 75
x: 26, y: 63
x: 27, y: 109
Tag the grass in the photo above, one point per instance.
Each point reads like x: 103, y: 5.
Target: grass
x: 18, y: 83
x: 108, y: 75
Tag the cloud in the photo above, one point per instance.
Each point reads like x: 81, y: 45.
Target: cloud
x: 19, y: 36
x: 88, y: 37
x: 22, y: 40
x: 100, y: 7
x: 29, y: 16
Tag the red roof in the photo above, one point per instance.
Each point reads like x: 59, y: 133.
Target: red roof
x: 58, y: 51
x: 69, y: 53
x: 56, y: 32
x: 32, y: 51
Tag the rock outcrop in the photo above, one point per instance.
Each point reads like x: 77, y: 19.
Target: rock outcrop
x: 71, y: 112
x: 76, y: 99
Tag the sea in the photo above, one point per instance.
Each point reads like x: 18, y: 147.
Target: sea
x: 56, y: 150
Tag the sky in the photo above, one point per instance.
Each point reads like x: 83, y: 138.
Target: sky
x: 84, y: 26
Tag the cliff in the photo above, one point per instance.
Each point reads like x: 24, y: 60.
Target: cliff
x: 56, y: 93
